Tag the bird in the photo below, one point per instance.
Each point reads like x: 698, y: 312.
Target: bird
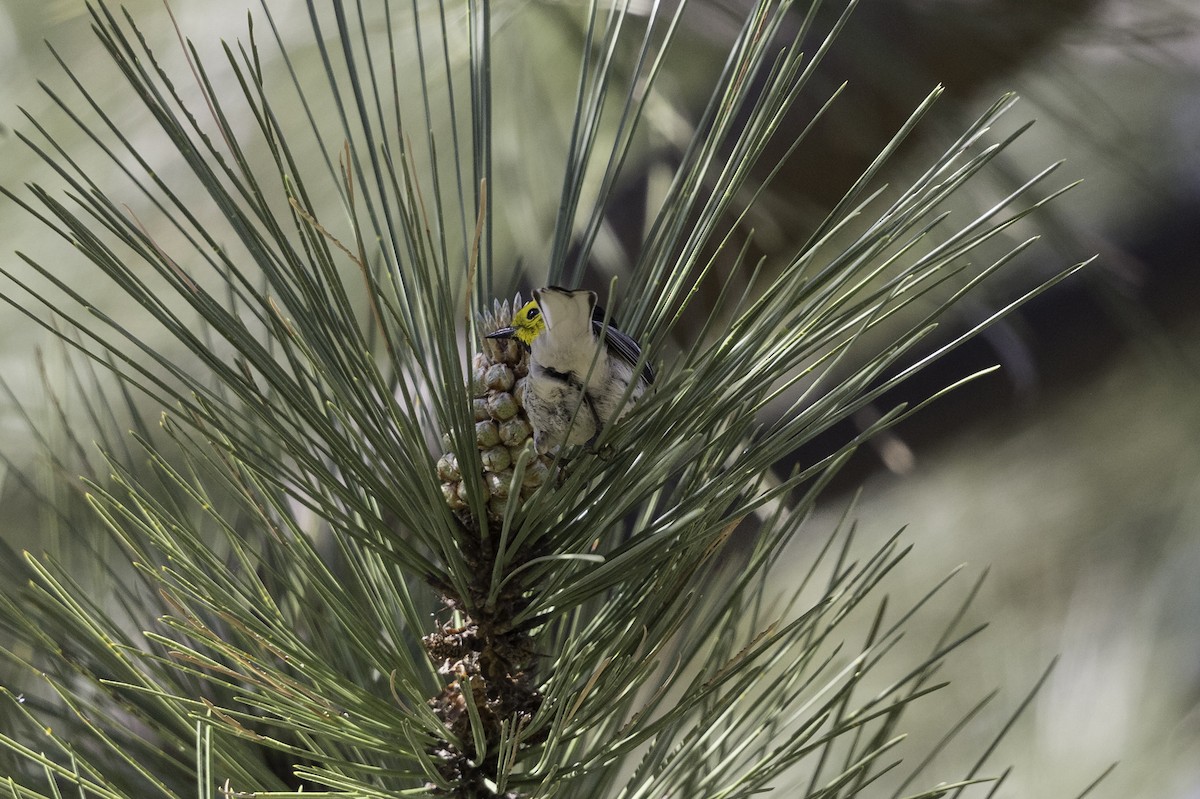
x: 571, y: 393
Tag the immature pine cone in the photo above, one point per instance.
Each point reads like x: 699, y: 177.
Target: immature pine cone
x: 502, y: 429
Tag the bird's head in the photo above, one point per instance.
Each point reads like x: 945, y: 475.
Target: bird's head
x: 568, y: 313
x: 527, y: 324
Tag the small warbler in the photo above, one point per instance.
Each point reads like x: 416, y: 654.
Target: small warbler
x: 571, y: 393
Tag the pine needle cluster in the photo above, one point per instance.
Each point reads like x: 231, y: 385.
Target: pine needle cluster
x: 342, y: 572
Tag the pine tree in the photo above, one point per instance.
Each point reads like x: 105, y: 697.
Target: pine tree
x: 351, y: 574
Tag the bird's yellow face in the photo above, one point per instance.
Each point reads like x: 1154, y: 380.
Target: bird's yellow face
x: 527, y: 324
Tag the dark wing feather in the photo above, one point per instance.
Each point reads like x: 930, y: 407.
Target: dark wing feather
x: 621, y: 344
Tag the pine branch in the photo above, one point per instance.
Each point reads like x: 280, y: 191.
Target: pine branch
x: 343, y: 455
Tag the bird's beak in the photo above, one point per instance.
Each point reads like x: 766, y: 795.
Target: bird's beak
x: 504, y: 332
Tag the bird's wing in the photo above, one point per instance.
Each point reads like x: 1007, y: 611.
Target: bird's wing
x: 622, y: 345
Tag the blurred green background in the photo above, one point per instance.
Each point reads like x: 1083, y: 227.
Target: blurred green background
x: 1073, y: 473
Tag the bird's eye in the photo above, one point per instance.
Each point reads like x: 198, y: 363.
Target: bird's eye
x: 533, y: 313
